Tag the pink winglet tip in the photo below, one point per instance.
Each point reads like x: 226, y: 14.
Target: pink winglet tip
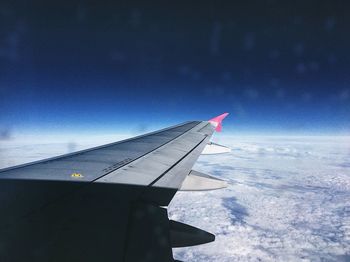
x: 217, y: 121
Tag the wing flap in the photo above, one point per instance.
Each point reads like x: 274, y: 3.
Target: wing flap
x: 196, y: 181
x: 213, y: 148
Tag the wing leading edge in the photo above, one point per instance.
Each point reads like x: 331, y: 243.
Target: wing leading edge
x: 103, y: 203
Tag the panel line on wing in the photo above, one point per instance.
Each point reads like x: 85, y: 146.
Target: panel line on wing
x: 145, y: 170
x: 177, y: 162
x: 149, y: 152
x: 62, y: 157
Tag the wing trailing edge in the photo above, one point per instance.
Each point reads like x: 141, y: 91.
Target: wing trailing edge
x: 197, y: 181
x: 213, y: 149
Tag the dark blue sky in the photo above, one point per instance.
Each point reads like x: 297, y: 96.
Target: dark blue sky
x: 276, y: 66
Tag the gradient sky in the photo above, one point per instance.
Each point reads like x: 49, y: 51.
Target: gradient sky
x: 276, y: 66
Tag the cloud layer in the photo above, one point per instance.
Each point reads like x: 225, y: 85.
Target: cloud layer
x: 287, y: 200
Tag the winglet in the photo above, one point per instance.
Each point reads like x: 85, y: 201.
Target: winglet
x: 217, y: 121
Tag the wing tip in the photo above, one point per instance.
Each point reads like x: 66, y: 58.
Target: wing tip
x: 217, y: 121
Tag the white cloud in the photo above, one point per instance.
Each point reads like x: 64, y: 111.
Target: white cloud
x: 287, y: 201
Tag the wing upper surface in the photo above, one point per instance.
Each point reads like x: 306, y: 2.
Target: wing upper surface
x: 97, y: 162
x: 105, y: 201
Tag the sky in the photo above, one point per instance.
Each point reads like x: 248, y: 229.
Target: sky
x: 278, y: 67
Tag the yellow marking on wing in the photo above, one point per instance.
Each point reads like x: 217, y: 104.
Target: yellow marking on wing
x: 77, y: 175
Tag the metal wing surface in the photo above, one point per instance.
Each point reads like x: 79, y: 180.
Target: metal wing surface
x: 105, y: 203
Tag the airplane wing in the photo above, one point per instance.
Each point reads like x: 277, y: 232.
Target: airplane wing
x: 106, y: 203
